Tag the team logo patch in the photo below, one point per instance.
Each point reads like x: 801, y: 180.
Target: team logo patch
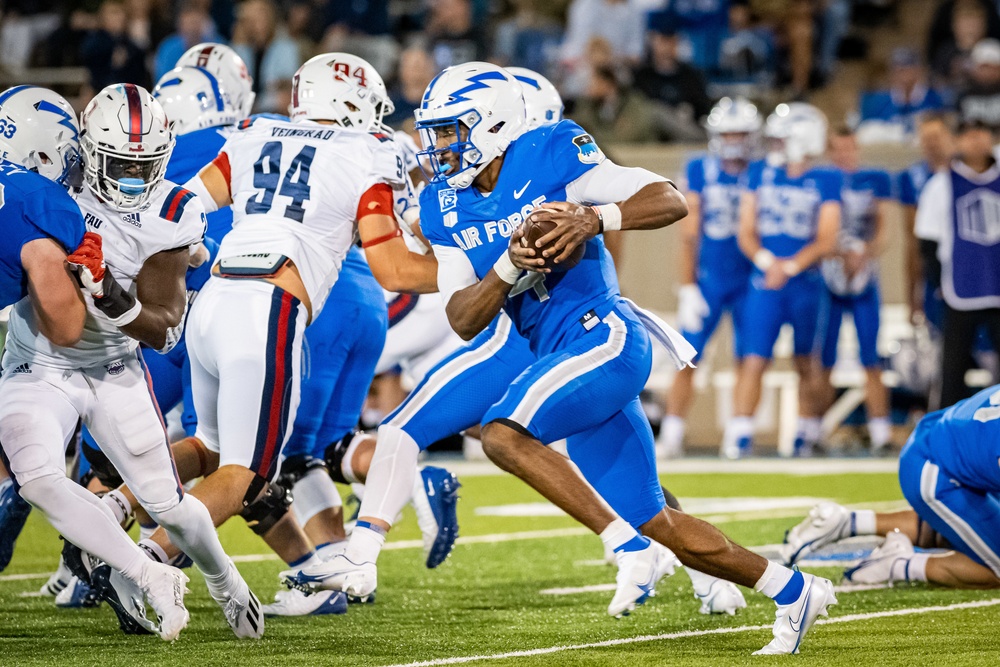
x: 115, y: 368
x: 589, y: 153
x: 447, y: 199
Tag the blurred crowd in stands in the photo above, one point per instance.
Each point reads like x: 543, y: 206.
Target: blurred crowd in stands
x: 629, y: 70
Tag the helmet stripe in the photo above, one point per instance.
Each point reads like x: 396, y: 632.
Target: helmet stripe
x: 134, y: 113
x: 11, y: 92
x: 215, y: 88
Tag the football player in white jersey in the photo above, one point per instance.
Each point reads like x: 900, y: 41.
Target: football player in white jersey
x: 226, y: 66
x: 300, y: 191
x: 147, y: 227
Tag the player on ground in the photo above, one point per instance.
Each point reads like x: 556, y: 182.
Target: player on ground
x: 948, y: 472
x: 789, y: 220
x: 40, y: 161
x: 714, y: 273
x: 583, y: 334
x: 290, y: 235
x: 851, y: 276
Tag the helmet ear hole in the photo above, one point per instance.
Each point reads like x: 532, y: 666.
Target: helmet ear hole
x: 496, y: 128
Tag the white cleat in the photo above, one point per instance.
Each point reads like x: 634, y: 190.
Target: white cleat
x: 792, y: 621
x: 638, y: 574
x: 340, y: 573
x: 164, y: 587
x: 58, y: 581
x: 292, y: 602
x: 721, y: 597
x: 827, y: 523
x: 240, y: 606
x: 888, y: 563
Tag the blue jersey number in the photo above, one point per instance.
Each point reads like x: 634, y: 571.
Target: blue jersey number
x: 267, y: 178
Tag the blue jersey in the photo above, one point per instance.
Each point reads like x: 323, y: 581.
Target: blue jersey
x: 965, y: 439
x: 192, y: 152
x: 862, y: 191
x: 719, y: 256
x: 537, y: 168
x: 356, y: 283
x: 911, y: 181
x: 788, y: 208
x: 31, y: 207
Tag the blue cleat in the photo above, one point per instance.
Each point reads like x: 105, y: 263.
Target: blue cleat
x: 77, y: 595
x: 293, y: 602
x: 436, y: 504
x: 14, y: 511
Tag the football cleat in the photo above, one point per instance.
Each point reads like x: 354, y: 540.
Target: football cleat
x: 436, y: 505
x: 741, y: 448
x: 125, y: 598
x: 337, y: 574
x: 14, y: 511
x: 827, y: 523
x: 638, y: 573
x: 77, y: 595
x: 792, y: 621
x: 888, y: 563
x: 292, y: 602
x: 721, y: 597
x: 240, y: 606
x: 164, y: 587
x: 58, y: 580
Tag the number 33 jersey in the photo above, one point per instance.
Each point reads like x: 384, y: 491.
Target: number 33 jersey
x: 296, y: 190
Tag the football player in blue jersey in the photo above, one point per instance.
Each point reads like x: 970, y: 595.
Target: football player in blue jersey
x: 851, y: 275
x: 949, y: 475
x: 789, y: 220
x: 39, y: 162
x: 714, y: 273
x: 592, y: 347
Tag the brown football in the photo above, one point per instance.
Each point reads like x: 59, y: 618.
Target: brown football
x: 535, y: 230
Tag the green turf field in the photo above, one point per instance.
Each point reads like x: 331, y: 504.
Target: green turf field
x: 486, y: 601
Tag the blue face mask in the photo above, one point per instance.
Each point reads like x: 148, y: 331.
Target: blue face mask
x: 132, y: 187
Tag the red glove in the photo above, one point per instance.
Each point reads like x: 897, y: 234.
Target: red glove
x: 88, y: 262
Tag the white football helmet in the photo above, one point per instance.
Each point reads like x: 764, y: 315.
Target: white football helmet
x: 542, y: 103
x: 38, y: 131
x: 797, y: 131
x: 343, y: 88
x: 226, y: 66
x: 733, y: 128
x: 481, y: 108
x: 193, y: 99
x: 126, y: 145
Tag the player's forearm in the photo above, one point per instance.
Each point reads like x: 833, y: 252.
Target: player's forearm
x: 880, y: 241
x: 153, y: 324
x: 399, y: 270
x: 812, y: 253
x: 471, y: 310
x: 655, y: 206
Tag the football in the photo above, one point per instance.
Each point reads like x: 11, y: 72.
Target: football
x: 534, y: 230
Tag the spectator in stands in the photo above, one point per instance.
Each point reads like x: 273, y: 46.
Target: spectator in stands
x: 958, y: 211
x: 24, y: 24
x: 194, y: 25
x: 795, y: 22
x: 109, y: 54
x: 361, y: 27
x: 613, y: 112
x: 942, y: 37
x: 970, y: 23
x: 703, y: 24
x: 890, y: 115
x: 416, y: 69
x: 981, y: 100
x: 301, y: 26
x: 454, y: 36
x: 272, y: 57
x: 676, y: 88
x: 747, y: 52
x: 528, y: 38
x: 619, y: 24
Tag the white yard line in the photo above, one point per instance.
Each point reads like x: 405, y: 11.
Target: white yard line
x: 605, y: 588
x: 710, y: 465
x: 694, y: 633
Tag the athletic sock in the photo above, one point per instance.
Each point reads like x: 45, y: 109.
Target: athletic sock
x: 780, y: 584
x: 118, y: 504
x: 146, y: 532
x: 862, y: 523
x: 190, y: 527
x: 672, y: 430
x: 880, y: 431
x: 389, y: 485
x: 913, y: 568
x: 738, y: 429
x: 809, y: 429
x: 620, y: 536
x: 314, y: 493
x: 154, y: 551
x: 366, y: 543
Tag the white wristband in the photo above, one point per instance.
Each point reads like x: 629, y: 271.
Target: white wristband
x: 506, y: 269
x: 128, y: 317
x: 611, y: 217
x: 791, y: 268
x: 763, y: 259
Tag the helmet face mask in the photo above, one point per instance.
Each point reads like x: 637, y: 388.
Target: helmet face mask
x: 40, y: 133
x: 733, y: 128
x: 796, y: 132
x: 454, y: 157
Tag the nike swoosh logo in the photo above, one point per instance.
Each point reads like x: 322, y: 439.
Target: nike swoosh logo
x: 518, y: 193
x: 797, y: 623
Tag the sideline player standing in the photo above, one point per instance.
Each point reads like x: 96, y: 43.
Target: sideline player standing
x: 789, y: 220
x: 593, y: 349
x: 714, y: 273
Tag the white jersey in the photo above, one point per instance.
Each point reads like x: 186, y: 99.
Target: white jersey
x: 173, y: 218
x: 296, y: 188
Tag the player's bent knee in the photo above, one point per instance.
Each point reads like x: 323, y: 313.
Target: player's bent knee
x: 264, y: 505
x: 296, y: 467
x: 333, y: 457
x: 503, y: 441
x: 43, y: 482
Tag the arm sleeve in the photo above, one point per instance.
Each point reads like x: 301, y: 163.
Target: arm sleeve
x: 830, y: 186
x: 694, y: 174
x: 755, y: 175
x: 608, y: 183
x: 933, y: 208
x: 455, y: 271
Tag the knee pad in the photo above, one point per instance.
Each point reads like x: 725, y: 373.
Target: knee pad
x: 101, y: 467
x: 334, y: 455
x: 296, y: 467
x: 263, y: 512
